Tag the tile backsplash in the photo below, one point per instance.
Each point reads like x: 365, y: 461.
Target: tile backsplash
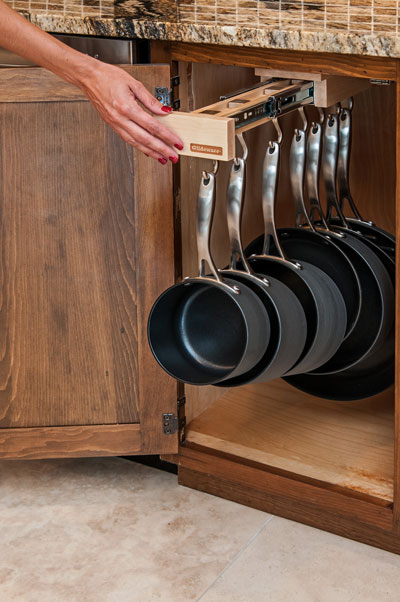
x: 348, y: 16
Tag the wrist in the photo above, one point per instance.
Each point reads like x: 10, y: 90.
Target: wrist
x: 77, y: 68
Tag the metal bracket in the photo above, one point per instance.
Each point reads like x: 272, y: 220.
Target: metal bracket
x: 172, y: 423
x: 289, y: 99
x: 165, y: 96
x: 380, y: 82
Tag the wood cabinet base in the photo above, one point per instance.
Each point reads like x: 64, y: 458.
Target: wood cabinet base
x: 360, y: 517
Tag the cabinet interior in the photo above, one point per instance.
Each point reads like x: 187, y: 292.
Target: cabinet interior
x: 348, y: 445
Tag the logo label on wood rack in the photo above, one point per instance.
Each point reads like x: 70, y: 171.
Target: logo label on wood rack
x: 206, y: 149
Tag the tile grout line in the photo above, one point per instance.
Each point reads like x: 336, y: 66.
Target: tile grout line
x: 236, y: 557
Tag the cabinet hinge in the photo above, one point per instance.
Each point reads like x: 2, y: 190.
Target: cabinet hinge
x: 173, y: 423
x: 175, y: 81
x: 166, y: 97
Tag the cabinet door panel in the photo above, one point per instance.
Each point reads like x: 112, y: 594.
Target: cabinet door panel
x: 86, y: 244
x: 68, y: 275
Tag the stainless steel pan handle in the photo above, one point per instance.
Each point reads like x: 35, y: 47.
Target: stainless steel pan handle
x: 236, y: 188
x: 329, y: 167
x: 313, y: 164
x: 343, y: 162
x: 269, y: 187
x: 205, y: 214
x: 297, y: 161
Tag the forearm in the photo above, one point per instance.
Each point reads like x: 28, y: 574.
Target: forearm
x: 27, y: 40
x: 112, y: 91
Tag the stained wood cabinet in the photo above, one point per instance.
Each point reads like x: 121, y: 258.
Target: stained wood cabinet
x: 91, y: 232
x: 86, y: 243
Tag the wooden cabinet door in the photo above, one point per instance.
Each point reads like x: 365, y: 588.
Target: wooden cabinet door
x: 86, y: 245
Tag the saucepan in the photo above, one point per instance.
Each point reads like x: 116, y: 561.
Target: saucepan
x: 207, y: 329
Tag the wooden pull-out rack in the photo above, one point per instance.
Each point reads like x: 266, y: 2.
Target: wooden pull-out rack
x: 209, y: 132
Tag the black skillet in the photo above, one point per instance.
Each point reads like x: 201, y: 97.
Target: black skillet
x: 377, y: 290
x: 308, y: 244
x: 374, y: 372
x: 370, y: 232
x: 321, y: 299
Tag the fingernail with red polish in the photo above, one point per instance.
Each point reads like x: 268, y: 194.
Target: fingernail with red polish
x: 173, y: 159
x: 162, y: 161
x: 179, y: 146
x: 166, y: 109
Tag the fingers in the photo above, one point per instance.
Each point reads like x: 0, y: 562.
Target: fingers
x: 150, y: 124
x: 147, y: 99
x: 154, y: 127
x: 139, y: 138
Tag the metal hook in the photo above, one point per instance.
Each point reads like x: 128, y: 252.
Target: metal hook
x: 330, y: 118
x: 321, y: 119
x: 304, y: 120
x: 278, y: 131
x: 214, y: 170
x: 350, y: 104
x: 243, y: 144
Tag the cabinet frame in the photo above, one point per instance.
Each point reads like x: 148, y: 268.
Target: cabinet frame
x: 350, y: 514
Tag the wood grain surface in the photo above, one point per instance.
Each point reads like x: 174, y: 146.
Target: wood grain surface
x: 354, y: 519
x: 349, y: 444
x: 68, y: 302
x: 70, y: 441
x: 86, y: 247
x: 304, y: 498
x: 329, y: 63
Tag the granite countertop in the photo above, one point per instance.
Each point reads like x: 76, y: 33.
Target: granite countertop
x: 360, y: 27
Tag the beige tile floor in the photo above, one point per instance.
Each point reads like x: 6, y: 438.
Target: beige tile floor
x: 110, y: 530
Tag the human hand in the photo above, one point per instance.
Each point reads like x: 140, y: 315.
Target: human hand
x: 115, y: 95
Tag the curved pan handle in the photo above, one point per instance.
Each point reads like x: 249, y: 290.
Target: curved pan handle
x: 235, y: 196
x: 269, y: 187
x: 297, y: 160
x: 205, y: 214
x: 343, y: 162
x: 329, y: 168
x: 313, y: 164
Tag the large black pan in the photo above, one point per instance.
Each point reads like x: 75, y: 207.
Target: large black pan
x: 287, y: 318
x: 374, y: 372
x: 372, y: 327
x: 380, y: 241
x: 308, y: 244
x: 369, y: 230
x: 321, y: 299
x: 206, y: 329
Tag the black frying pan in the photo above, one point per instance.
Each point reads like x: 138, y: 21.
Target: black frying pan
x: 369, y: 230
x: 374, y: 371
x: 308, y: 244
x: 206, y: 329
x: 287, y: 318
x: 321, y: 299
